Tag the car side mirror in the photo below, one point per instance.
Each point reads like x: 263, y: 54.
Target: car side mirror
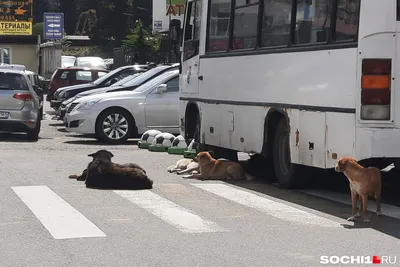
x: 162, y: 88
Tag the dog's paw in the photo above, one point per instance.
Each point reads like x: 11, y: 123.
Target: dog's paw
x: 351, y: 218
x: 379, y: 213
x: 186, y: 176
x: 73, y: 176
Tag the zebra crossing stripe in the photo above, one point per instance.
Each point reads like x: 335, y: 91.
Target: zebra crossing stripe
x: 168, y: 211
x: 56, y: 215
x: 267, y: 205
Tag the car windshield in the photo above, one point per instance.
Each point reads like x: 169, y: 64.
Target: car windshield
x: 127, y: 79
x: 12, y: 81
x: 145, y: 76
x: 107, y: 76
x: 155, y: 81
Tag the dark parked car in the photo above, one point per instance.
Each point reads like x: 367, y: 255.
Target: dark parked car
x: 72, y: 76
x: 104, y: 81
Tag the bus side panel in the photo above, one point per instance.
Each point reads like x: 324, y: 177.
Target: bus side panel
x: 242, y: 127
x: 340, y: 137
x: 211, y: 124
x: 318, y: 79
x: 311, y: 144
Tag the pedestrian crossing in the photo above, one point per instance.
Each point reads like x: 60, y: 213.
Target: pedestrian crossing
x: 63, y: 221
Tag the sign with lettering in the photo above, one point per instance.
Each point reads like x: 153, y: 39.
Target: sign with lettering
x: 15, y: 28
x: 175, y: 7
x: 16, y: 10
x: 53, y: 26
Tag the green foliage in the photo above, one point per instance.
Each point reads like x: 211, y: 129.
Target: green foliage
x: 141, y: 44
x: 37, y: 29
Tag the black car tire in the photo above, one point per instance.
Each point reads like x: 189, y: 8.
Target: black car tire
x: 112, y: 113
x: 33, y: 134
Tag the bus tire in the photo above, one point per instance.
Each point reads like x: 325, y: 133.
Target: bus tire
x: 284, y: 169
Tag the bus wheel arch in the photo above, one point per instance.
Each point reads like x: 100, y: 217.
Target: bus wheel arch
x: 276, y: 147
x: 192, y: 122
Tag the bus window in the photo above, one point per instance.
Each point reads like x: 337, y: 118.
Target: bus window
x: 245, y: 25
x: 218, y: 31
x: 276, y: 23
x: 313, y: 21
x: 192, y: 30
x: 348, y: 12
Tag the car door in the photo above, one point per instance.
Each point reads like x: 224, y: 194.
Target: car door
x: 162, y: 109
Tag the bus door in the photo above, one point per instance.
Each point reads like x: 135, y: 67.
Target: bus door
x: 191, y: 46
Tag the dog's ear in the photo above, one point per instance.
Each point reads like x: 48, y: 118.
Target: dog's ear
x: 111, y: 154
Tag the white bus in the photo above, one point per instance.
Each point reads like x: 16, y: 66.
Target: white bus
x: 301, y: 82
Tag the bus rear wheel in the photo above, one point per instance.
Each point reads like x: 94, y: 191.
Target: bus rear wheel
x: 284, y: 169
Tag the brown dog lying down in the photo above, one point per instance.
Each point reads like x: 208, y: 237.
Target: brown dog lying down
x: 212, y: 169
x: 364, y: 182
x: 102, y: 173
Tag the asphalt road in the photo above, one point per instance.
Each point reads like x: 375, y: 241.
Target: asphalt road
x: 47, y: 219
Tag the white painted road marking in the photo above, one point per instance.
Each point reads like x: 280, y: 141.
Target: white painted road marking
x: 267, y: 205
x: 59, y: 217
x: 170, y: 212
x: 387, y: 210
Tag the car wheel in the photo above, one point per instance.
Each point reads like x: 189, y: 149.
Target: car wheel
x: 114, y: 126
x: 284, y: 169
x: 33, y: 134
x: 41, y: 113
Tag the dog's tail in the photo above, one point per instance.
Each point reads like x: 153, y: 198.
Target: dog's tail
x: 73, y: 176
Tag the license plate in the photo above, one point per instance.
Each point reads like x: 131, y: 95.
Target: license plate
x: 3, y: 115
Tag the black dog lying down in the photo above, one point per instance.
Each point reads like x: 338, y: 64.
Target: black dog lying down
x: 102, y: 173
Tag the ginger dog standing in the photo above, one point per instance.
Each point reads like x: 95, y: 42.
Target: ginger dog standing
x: 212, y: 169
x: 364, y: 182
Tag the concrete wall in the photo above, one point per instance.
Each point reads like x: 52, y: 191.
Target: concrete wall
x: 24, y: 54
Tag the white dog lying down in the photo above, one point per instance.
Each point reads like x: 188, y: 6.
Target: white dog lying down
x: 183, y: 166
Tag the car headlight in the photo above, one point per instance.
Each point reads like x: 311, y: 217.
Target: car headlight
x: 87, y: 104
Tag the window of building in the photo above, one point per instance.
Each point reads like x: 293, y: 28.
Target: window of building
x: 275, y: 29
x: 5, y: 55
x: 245, y: 24
x: 347, y: 19
x: 313, y: 21
x: 218, y: 31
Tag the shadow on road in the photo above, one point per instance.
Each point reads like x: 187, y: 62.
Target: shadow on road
x: 56, y: 124
x: 97, y: 143
x: 383, y: 224
x: 62, y: 130
x: 316, y: 179
x: 17, y: 138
